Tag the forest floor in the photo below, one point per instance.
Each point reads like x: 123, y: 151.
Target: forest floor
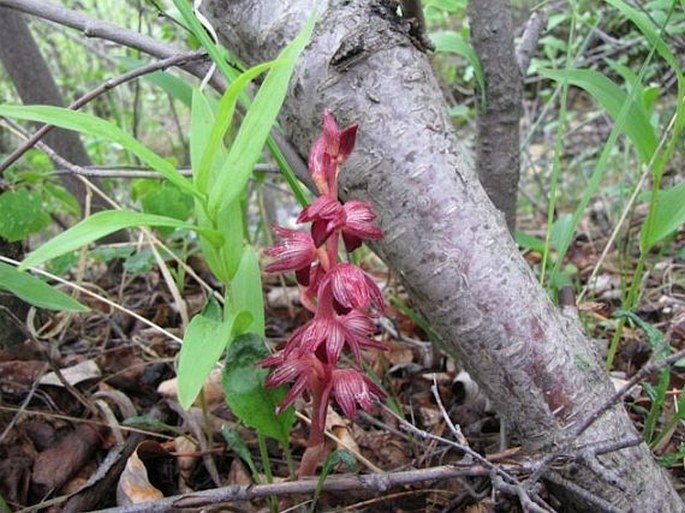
x: 89, y: 417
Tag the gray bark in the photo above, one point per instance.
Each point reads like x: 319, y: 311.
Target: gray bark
x: 497, y: 149
x: 443, y: 236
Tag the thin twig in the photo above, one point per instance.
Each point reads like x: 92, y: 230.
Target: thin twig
x: 474, y: 456
x: 142, y: 172
x: 588, y: 497
x: 175, y: 60
x: 93, y: 27
x: 518, y: 491
x: 78, y: 171
x: 87, y: 292
x: 338, y: 483
x: 529, y: 40
x: 649, y: 368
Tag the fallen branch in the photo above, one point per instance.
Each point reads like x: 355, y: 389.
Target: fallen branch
x: 339, y: 483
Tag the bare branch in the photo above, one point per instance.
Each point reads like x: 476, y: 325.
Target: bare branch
x: 339, y: 483
x: 93, y: 27
x: 175, y: 60
x: 529, y: 39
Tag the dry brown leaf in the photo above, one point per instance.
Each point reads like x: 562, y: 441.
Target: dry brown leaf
x: 73, y: 375
x: 55, y: 466
x: 134, y: 486
x: 213, y: 392
x: 186, y: 460
x: 340, y: 427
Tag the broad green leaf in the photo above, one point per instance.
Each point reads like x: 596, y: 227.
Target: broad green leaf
x: 221, y: 124
x: 246, y: 291
x: 63, y: 197
x: 102, y: 224
x: 243, y: 384
x: 204, y: 341
x: 611, y: 97
x: 256, y: 125
x: 167, y: 200
x: 92, y: 125
x: 36, y: 292
x: 562, y: 231
x: 21, y: 214
x: 451, y: 42
x: 211, y: 253
x: 141, y: 262
x: 668, y: 216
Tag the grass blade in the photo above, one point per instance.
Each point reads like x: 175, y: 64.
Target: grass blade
x: 102, y: 224
x: 36, y: 291
x: 257, y: 124
x: 92, y: 125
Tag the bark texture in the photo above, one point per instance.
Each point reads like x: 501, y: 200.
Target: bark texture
x: 497, y: 149
x: 442, y: 235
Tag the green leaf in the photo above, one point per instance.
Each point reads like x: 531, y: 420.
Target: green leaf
x: 150, y: 423
x: 643, y: 22
x: 92, y: 125
x: 231, y: 227
x: 654, y: 336
x: 529, y: 242
x: 235, y: 442
x: 611, y: 97
x: 201, y: 122
x: 451, y: 6
x: 256, y: 125
x: 203, y: 343
x: 140, y: 262
x: 102, y: 224
x: 21, y: 214
x: 335, y: 458
x: 37, y: 292
x: 167, y: 200
x: 562, y: 231
x: 221, y: 124
x: 250, y: 401
x: 175, y: 87
x: 451, y: 42
x: 63, y: 198
x: 246, y: 291
x: 668, y: 216
x: 201, y: 34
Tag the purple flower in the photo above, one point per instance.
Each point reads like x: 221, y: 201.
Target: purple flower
x: 329, y: 151
x: 358, y: 224
x: 306, y: 371
x: 351, y: 388
x: 327, y: 333
x: 326, y: 214
x: 295, y: 251
x: 352, y: 288
x: 343, y: 298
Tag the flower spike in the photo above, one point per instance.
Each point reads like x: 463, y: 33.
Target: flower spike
x: 344, y: 299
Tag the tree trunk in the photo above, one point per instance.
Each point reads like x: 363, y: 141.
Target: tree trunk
x: 33, y: 80
x: 443, y: 236
x: 497, y: 149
